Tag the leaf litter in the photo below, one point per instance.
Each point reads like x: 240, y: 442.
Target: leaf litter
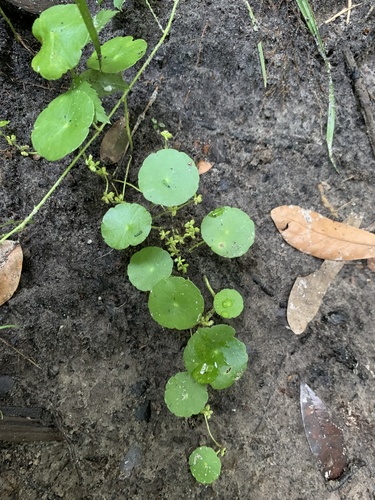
x: 316, y: 235
x: 325, y: 438
x: 308, y: 292
x: 11, y: 258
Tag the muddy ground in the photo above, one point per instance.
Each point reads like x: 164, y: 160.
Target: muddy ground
x: 103, y: 361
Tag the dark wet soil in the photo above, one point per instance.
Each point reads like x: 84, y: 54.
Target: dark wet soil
x: 103, y: 361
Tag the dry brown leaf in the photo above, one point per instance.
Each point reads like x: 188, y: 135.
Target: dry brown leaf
x: 10, y: 269
x: 204, y: 166
x: 325, y: 438
x: 114, y: 142
x: 321, y: 237
x: 308, y: 292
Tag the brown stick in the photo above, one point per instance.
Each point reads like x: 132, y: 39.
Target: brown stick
x: 362, y: 94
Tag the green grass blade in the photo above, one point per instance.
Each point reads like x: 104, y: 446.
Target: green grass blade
x: 259, y: 45
x: 262, y: 63
x: 86, y: 16
x: 309, y: 18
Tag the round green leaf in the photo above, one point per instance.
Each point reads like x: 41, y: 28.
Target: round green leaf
x: 63, y: 125
x: 63, y: 34
x: 228, y: 231
x: 148, y: 266
x: 126, y: 224
x: 184, y: 396
x: 176, y: 303
x: 228, y: 303
x: 214, y: 356
x: 205, y: 465
x: 168, y: 177
x: 118, y: 54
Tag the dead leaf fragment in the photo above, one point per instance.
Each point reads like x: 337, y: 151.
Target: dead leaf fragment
x: 10, y: 269
x: 371, y: 264
x: 325, y: 438
x: 308, y: 292
x: 311, y: 233
x: 114, y: 142
x: 204, y: 166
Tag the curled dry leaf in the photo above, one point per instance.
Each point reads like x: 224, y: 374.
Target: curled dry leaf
x: 321, y: 237
x: 325, y: 438
x: 114, y: 142
x: 10, y: 269
x: 307, y: 293
x: 204, y: 166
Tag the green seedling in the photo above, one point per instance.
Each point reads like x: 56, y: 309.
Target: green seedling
x: 11, y: 140
x: 213, y: 356
x: 64, y: 30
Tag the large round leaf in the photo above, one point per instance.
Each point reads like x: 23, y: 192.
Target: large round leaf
x: 63, y: 34
x: 228, y: 231
x: 63, y: 125
x: 184, y: 396
x: 214, y: 356
x: 118, y: 54
x: 126, y: 224
x: 176, y: 303
x: 168, y: 177
x: 148, y: 266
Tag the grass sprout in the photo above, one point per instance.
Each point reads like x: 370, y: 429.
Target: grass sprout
x: 309, y: 18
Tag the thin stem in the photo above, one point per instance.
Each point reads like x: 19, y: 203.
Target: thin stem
x: 35, y: 210
x: 209, y: 286
x: 126, y: 177
x: 16, y: 35
x: 196, y: 245
x: 209, y: 433
x: 154, y: 15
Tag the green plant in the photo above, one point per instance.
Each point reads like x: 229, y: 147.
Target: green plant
x: 308, y: 15
x: 213, y: 355
x: 89, y: 86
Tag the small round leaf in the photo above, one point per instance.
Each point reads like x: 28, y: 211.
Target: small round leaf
x: 148, y: 266
x: 63, y: 125
x: 228, y: 231
x: 168, y: 178
x: 214, y: 356
x: 228, y: 303
x: 126, y: 224
x: 184, y: 396
x: 205, y: 465
x: 176, y: 303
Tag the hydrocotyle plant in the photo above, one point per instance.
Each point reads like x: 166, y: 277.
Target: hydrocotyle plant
x: 213, y: 356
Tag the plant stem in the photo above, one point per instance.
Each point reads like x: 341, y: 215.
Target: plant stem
x: 35, y: 210
x: 196, y: 245
x: 16, y: 35
x: 209, y: 433
x: 210, y: 289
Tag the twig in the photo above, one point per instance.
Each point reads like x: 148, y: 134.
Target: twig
x: 362, y: 94
x: 19, y: 352
x: 342, y: 11
x: 349, y: 9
